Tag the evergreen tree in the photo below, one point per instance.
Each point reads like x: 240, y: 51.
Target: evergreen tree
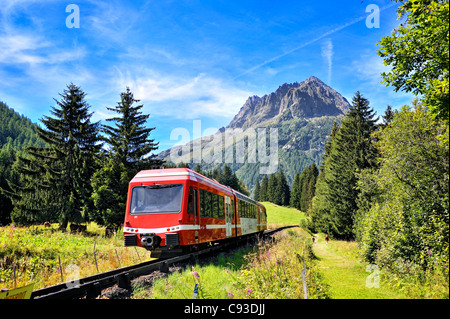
x: 282, y: 194
x: 263, y: 191
x: 130, y: 138
x: 308, y: 186
x: 352, y: 150
x: 272, y: 189
x: 129, y: 147
x: 257, y: 191
x: 388, y: 115
x: 296, y: 192
x: 55, y: 178
x: 320, y: 210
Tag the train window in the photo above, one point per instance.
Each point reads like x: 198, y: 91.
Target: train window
x: 149, y: 199
x: 207, y: 207
x: 214, y: 211
x: 190, y: 209
x: 232, y: 210
x: 221, y: 207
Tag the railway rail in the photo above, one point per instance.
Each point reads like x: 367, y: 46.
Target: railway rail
x: 92, y: 286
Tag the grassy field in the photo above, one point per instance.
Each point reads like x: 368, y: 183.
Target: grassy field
x: 33, y: 255
x: 38, y: 254
x: 265, y: 270
x: 280, y: 215
x: 347, y: 277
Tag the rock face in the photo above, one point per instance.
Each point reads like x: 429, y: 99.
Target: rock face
x: 308, y: 99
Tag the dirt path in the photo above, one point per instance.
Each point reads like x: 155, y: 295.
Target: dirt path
x: 347, y: 276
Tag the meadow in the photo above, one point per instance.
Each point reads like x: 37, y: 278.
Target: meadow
x: 274, y: 269
x: 39, y: 254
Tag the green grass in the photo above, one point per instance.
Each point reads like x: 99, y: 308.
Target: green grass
x: 35, y: 253
x: 346, y: 275
x: 267, y: 270
x: 280, y: 215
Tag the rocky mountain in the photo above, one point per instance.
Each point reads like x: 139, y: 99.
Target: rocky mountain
x: 302, y: 114
x: 308, y: 99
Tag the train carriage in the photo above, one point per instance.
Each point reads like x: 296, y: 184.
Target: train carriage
x: 174, y: 210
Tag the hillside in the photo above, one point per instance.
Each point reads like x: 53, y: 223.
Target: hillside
x: 303, y: 113
x: 16, y: 133
x: 281, y: 215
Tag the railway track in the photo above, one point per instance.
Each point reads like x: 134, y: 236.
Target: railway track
x: 92, y: 286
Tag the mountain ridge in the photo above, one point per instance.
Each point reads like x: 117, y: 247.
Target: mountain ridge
x: 307, y: 99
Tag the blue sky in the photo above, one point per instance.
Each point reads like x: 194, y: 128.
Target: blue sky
x: 188, y: 60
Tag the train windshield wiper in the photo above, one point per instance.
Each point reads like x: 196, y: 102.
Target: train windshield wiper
x: 161, y: 186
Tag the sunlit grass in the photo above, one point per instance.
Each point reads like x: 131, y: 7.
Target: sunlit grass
x: 266, y: 270
x: 34, y: 254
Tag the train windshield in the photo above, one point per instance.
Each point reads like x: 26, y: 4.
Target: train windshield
x: 156, y: 199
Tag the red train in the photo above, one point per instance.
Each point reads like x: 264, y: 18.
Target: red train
x: 170, y: 211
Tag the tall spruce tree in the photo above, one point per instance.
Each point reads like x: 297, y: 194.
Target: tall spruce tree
x: 296, y: 192
x: 351, y: 151
x: 271, y: 189
x: 283, y: 193
x: 320, y: 209
x: 130, y: 138
x: 263, y: 191
x: 129, y: 152
x: 307, y: 187
x: 56, y: 177
x: 257, y: 191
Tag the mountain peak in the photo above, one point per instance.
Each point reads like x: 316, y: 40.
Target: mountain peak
x: 307, y: 99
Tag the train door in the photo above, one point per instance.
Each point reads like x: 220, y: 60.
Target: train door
x: 193, y: 210
x: 228, y: 216
x: 258, y: 219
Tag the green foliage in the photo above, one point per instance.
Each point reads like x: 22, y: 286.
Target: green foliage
x: 350, y: 150
x: 404, y: 210
x: 129, y: 144
x: 55, y: 178
x: 263, y: 191
x: 304, y: 187
x: 16, y: 133
x: 129, y: 140
x: 418, y: 52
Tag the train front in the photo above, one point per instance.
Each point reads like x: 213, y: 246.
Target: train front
x: 154, y: 213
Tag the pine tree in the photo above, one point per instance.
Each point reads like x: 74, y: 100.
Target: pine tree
x: 320, y: 209
x: 272, y: 189
x: 257, y: 191
x: 263, y: 191
x: 282, y: 193
x: 129, y: 152
x: 130, y: 138
x: 56, y: 177
x: 308, y: 186
x: 296, y: 192
x: 352, y: 150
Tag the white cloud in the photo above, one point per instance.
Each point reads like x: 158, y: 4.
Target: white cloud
x: 327, y: 53
x: 187, y: 98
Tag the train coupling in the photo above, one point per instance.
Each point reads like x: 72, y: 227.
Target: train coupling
x: 150, y: 241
